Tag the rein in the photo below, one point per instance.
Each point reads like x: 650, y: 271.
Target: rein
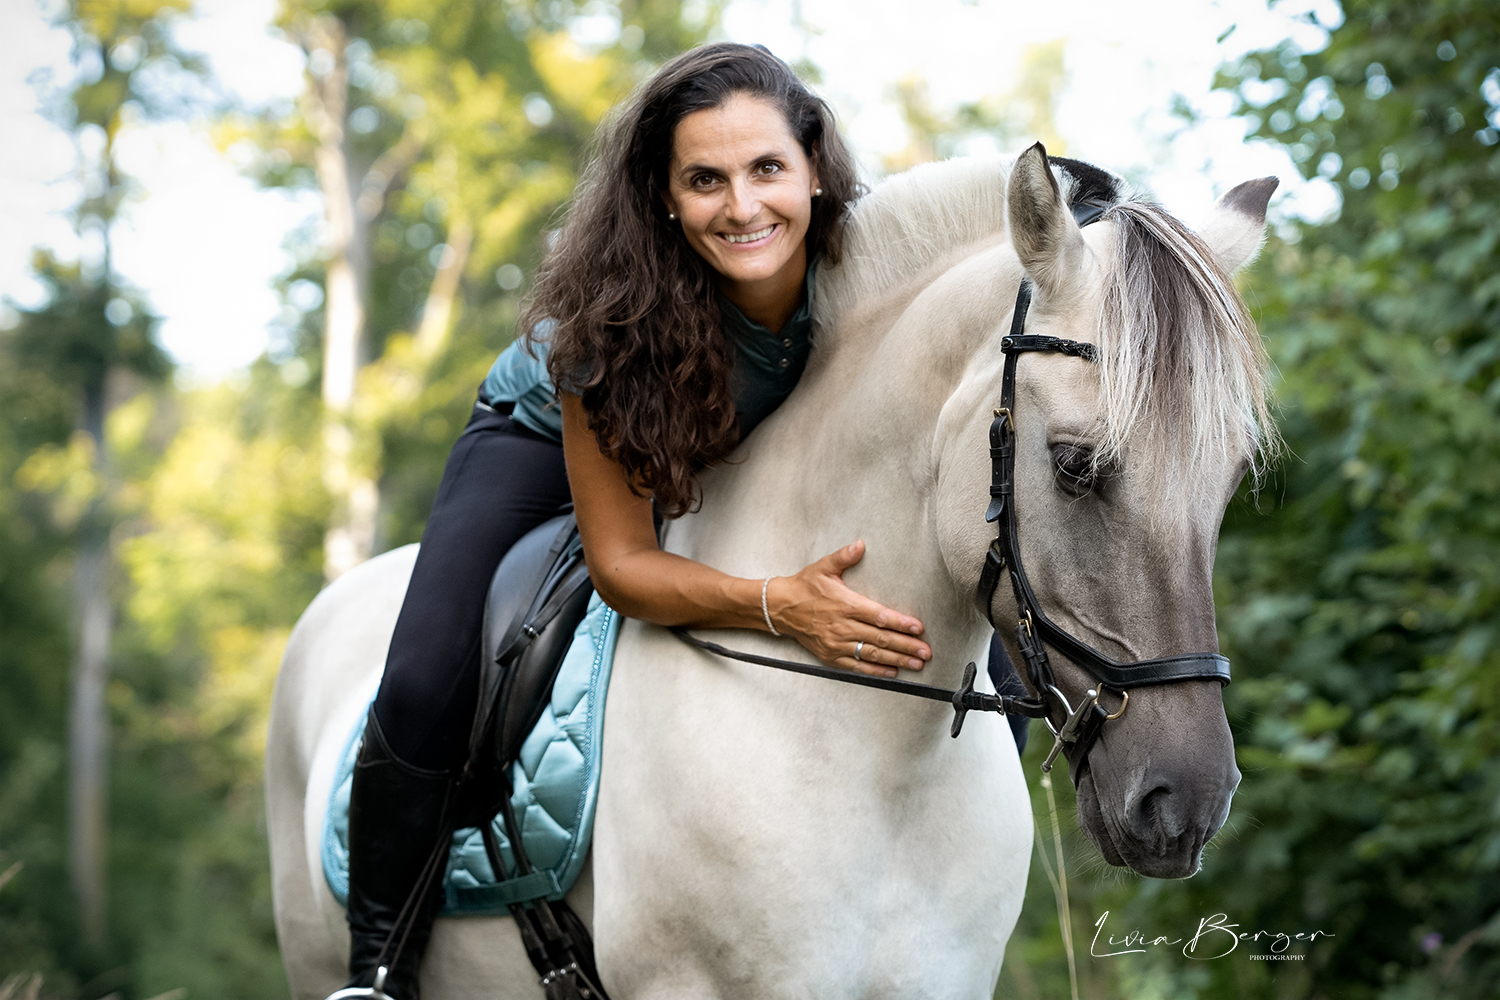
x: 964, y: 700
x: 1034, y: 630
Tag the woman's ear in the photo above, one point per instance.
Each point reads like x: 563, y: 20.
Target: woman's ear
x: 670, y: 206
x: 812, y: 166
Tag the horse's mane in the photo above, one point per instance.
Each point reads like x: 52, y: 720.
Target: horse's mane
x: 909, y: 221
x: 1183, y: 371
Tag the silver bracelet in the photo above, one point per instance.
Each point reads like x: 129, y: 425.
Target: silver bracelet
x: 765, y: 608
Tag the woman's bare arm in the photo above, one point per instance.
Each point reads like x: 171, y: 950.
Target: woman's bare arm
x: 638, y: 579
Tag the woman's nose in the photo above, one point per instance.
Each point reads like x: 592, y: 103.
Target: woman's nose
x: 743, y: 205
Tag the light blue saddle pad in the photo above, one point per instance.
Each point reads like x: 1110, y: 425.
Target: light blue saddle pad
x: 555, y: 782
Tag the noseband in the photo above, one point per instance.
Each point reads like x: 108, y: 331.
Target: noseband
x: 1034, y: 630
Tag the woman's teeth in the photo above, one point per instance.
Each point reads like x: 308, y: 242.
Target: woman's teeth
x: 749, y: 237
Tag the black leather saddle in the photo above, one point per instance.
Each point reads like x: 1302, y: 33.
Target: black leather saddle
x: 538, y: 595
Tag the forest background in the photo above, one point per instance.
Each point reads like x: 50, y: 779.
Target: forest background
x: 158, y: 540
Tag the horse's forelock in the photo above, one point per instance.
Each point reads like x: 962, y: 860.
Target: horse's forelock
x: 1182, y: 369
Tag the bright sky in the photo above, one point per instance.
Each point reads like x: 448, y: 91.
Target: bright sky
x: 205, y: 244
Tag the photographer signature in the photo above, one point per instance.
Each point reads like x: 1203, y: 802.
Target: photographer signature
x: 1214, y: 938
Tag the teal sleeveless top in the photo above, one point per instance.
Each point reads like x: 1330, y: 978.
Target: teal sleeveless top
x: 766, y: 369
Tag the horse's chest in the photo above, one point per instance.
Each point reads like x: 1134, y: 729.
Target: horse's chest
x: 756, y: 828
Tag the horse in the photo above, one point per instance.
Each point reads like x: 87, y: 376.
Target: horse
x: 765, y: 834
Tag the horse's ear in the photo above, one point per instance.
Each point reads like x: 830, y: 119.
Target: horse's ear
x: 1238, y: 223
x: 1042, y: 229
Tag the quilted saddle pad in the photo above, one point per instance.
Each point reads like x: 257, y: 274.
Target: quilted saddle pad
x: 555, y: 782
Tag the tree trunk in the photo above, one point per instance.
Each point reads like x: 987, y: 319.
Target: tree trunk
x: 437, y: 311
x: 88, y: 713
x: 351, y: 529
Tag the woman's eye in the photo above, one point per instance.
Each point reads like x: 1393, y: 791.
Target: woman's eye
x: 1073, y: 468
x: 703, y: 181
x: 767, y: 169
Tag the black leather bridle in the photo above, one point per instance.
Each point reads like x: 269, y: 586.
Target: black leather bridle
x: 1034, y: 630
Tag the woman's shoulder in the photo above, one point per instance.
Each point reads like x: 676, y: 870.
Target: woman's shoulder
x: 517, y: 384
x: 520, y: 368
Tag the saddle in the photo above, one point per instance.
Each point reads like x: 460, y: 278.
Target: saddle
x: 538, y: 595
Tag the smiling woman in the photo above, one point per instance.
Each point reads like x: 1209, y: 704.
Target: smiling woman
x: 645, y: 282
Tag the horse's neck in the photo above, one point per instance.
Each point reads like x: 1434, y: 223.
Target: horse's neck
x: 852, y: 453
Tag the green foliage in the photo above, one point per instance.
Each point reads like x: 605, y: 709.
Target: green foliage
x: 1013, y: 120
x: 34, y: 642
x: 225, y: 556
x: 1365, y: 605
x: 73, y: 338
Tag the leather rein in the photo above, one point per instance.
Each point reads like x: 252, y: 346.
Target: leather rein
x: 1034, y: 630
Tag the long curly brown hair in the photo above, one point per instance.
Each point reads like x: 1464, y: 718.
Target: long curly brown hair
x: 629, y: 308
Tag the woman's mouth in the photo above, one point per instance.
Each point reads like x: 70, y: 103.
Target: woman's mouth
x: 745, y: 239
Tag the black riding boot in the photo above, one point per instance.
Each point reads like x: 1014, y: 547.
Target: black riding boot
x: 397, y: 815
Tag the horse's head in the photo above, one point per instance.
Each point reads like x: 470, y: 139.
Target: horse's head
x: 1123, y: 468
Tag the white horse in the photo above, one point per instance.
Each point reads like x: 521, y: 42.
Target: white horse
x: 768, y: 835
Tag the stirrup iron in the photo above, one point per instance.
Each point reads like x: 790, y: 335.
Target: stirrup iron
x: 376, y: 991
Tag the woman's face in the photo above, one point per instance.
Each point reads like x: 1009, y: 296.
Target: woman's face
x: 742, y: 189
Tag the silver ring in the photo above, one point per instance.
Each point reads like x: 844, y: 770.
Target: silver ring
x: 857, y: 647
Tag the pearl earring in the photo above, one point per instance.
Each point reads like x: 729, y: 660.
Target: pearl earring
x: 672, y: 216
x: 817, y: 191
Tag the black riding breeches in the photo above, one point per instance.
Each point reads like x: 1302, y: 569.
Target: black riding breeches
x: 501, y: 480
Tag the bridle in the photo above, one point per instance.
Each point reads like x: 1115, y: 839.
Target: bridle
x: 1034, y: 630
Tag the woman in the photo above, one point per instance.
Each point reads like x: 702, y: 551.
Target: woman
x: 673, y: 315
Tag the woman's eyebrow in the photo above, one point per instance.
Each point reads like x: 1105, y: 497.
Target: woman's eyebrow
x: 698, y: 168
x: 703, y: 168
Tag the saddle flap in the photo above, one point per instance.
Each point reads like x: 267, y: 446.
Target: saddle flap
x: 530, y: 671
x: 531, y: 573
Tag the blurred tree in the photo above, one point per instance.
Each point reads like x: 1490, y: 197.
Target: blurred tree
x: 88, y: 338
x: 1023, y: 115
x: 226, y: 555
x: 440, y: 135
x: 35, y: 411
x: 353, y: 177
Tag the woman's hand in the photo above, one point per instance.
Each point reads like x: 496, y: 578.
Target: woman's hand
x: 819, y: 610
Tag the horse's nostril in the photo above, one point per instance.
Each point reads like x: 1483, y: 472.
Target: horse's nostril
x: 1152, y: 816
x: 1168, y: 814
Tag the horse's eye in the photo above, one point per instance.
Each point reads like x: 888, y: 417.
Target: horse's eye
x: 1073, y: 468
